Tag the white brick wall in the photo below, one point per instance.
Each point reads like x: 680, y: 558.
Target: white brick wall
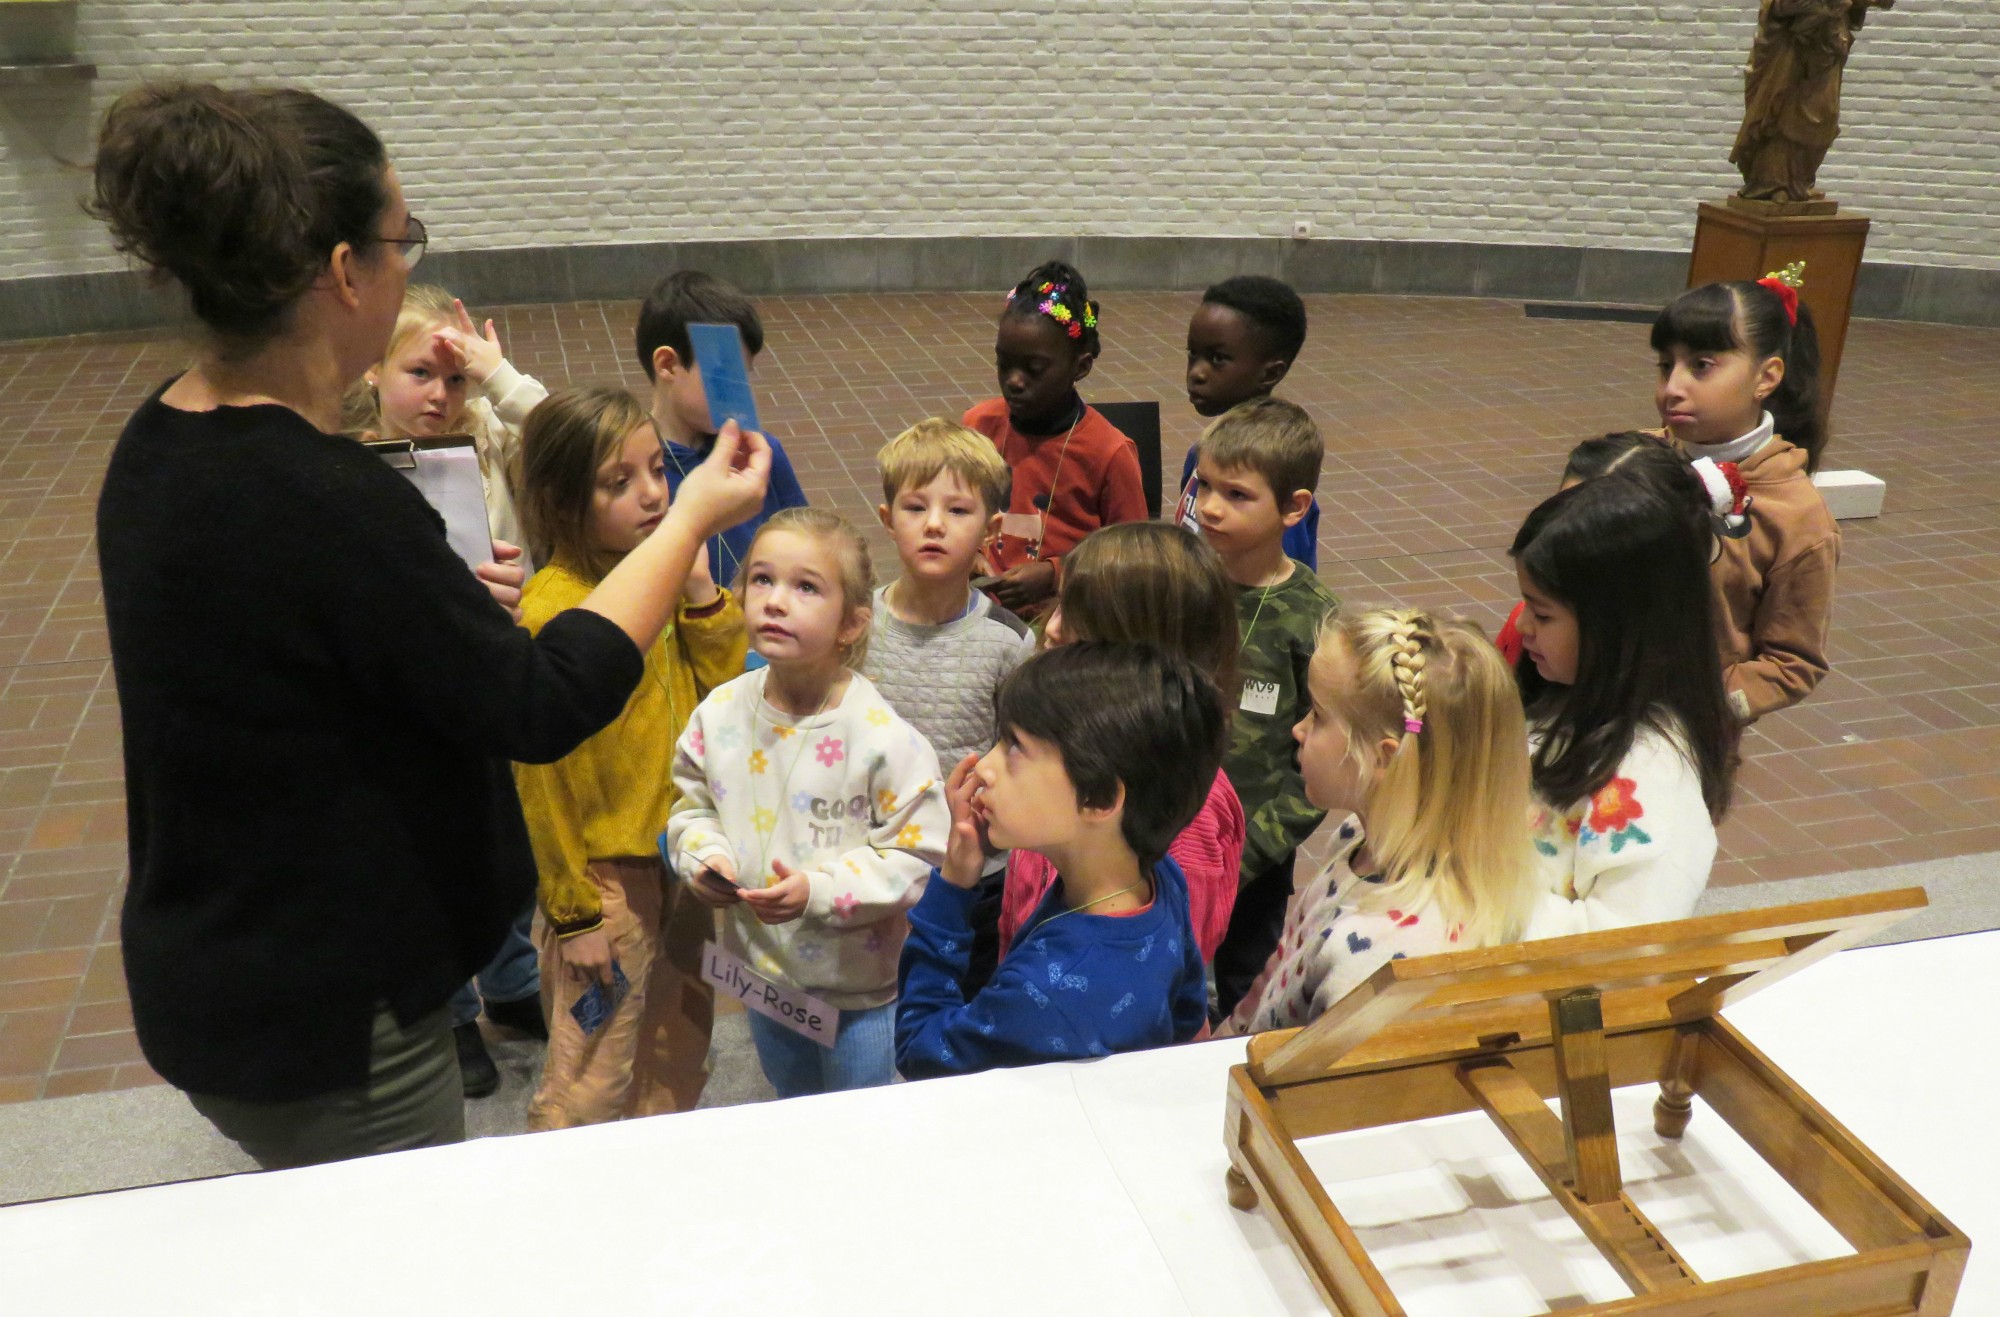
x: 1566, y: 121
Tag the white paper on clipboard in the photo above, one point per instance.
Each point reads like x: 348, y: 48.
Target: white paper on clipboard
x: 445, y: 471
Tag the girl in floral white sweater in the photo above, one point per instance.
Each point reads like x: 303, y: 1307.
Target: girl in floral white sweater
x: 1634, y: 747
x: 1415, y: 728
x: 809, y: 812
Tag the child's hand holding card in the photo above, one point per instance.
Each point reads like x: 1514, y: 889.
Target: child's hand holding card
x: 597, y: 1003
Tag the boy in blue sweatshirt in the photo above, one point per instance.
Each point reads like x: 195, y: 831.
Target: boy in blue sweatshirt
x: 680, y: 404
x: 1106, y: 752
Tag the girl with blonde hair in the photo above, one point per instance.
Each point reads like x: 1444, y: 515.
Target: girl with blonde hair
x: 1416, y: 735
x: 593, y: 488
x: 809, y: 813
x: 441, y: 375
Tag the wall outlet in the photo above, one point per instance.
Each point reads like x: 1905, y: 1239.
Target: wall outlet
x: 1302, y: 228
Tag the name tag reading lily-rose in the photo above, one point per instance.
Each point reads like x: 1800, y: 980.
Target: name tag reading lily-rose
x: 788, y: 1006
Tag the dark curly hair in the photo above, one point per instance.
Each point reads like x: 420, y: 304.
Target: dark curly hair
x: 1067, y: 291
x: 1270, y: 305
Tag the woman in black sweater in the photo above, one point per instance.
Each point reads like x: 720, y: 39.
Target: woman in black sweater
x: 319, y: 700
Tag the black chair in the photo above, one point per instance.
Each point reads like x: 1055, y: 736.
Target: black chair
x: 1141, y: 423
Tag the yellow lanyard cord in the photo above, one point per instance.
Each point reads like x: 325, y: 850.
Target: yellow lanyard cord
x: 1077, y: 910
x: 1055, y: 479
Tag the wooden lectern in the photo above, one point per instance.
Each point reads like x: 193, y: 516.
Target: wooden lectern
x: 1503, y: 1029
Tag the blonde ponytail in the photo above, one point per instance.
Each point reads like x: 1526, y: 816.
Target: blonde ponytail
x: 1447, y: 816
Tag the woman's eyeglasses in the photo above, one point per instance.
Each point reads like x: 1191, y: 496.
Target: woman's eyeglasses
x: 413, y: 242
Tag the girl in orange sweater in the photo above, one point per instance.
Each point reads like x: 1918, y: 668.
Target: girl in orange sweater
x: 1073, y: 470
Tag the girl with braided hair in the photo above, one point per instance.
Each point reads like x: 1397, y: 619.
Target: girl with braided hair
x: 1073, y: 471
x: 1633, y: 744
x: 1416, y: 736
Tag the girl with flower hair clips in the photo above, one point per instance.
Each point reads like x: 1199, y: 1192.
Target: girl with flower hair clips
x: 1073, y: 471
x: 1416, y: 737
x: 1739, y: 386
x: 809, y: 813
x: 1633, y: 747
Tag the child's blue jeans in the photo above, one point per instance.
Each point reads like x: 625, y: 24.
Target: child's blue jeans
x: 863, y: 1054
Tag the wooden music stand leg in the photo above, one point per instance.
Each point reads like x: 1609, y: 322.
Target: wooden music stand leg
x: 1675, y: 1106
x: 1242, y: 1194
x: 1583, y: 1082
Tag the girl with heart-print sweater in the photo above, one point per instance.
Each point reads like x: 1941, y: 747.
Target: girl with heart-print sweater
x: 1416, y: 728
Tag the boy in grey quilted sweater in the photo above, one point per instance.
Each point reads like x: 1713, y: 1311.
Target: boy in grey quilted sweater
x: 939, y: 648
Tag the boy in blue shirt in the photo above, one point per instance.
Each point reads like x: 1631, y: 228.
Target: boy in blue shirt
x: 680, y: 406
x: 1241, y: 342
x: 1106, y: 752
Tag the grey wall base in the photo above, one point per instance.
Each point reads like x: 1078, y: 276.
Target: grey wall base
x: 90, y: 303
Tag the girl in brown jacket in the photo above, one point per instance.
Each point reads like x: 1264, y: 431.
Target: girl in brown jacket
x: 1739, y: 384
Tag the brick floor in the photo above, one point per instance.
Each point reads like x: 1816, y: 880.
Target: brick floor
x: 1446, y: 420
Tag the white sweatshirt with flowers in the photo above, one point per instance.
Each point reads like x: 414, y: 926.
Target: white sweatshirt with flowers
x: 851, y: 797
x: 1635, y: 851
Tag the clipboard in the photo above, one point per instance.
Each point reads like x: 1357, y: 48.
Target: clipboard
x: 445, y: 470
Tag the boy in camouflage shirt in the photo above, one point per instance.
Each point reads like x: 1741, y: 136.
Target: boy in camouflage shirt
x: 1255, y: 473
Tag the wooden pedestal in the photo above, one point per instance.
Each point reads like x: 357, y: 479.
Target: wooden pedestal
x: 1731, y: 244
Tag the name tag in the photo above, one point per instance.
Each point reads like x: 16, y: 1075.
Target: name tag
x: 1259, y: 697
x: 1022, y: 526
x: 797, y: 1011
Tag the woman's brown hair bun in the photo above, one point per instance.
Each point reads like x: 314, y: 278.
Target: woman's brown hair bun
x: 240, y: 196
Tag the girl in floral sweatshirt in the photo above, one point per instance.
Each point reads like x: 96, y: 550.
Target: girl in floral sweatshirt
x: 1634, y: 745
x: 809, y: 812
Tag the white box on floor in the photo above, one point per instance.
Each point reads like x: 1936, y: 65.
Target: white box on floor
x: 1850, y: 494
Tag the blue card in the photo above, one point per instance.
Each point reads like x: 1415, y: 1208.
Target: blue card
x: 594, y: 1007
x: 725, y: 375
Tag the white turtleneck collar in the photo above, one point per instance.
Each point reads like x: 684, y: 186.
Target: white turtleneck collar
x: 1738, y: 450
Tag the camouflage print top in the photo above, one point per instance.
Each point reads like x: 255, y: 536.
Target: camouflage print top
x: 1279, y: 624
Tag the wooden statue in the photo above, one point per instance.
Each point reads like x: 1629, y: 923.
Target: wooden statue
x: 1791, y: 100
x: 1502, y: 1029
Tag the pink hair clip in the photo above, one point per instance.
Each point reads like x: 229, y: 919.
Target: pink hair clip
x: 1413, y: 725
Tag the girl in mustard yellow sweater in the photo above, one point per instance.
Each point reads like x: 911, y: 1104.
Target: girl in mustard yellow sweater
x: 592, y: 489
